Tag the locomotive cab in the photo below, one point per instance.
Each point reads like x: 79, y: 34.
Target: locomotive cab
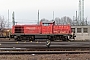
x: 47, y: 27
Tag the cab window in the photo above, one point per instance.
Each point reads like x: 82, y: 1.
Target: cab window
x: 46, y: 24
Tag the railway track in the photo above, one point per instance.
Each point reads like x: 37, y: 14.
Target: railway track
x: 43, y: 44
x: 37, y: 47
x: 47, y: 49
x: 44, y: 52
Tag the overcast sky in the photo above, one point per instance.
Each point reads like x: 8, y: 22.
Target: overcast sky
x: 26, y: 10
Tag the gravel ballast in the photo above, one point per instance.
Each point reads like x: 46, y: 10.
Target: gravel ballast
x: 46, y: 57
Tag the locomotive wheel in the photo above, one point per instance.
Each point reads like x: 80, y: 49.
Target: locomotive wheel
x: 17, y: 38
x: 64, y: 38
x: 51, y: 38
x: 32, y: 38
x: 67, y: 38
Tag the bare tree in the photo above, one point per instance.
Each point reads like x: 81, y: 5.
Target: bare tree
x: 44, y: 19
x: 66, y: 20
x: 2, y: 22
x: 2, y: 25
x: 57, y: 21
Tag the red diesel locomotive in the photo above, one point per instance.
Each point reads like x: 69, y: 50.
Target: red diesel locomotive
x: 46, y: 30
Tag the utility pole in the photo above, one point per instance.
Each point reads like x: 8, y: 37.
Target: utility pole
x: 53, y: 15
x: 8, y: 18
x: 79, y: 12
x: 38, y: 17
x: 82, y: 18
x: 76, y: 19
x: 13, y: 19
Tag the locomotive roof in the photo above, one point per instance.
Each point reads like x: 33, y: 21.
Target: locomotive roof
x: 48, y: 21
